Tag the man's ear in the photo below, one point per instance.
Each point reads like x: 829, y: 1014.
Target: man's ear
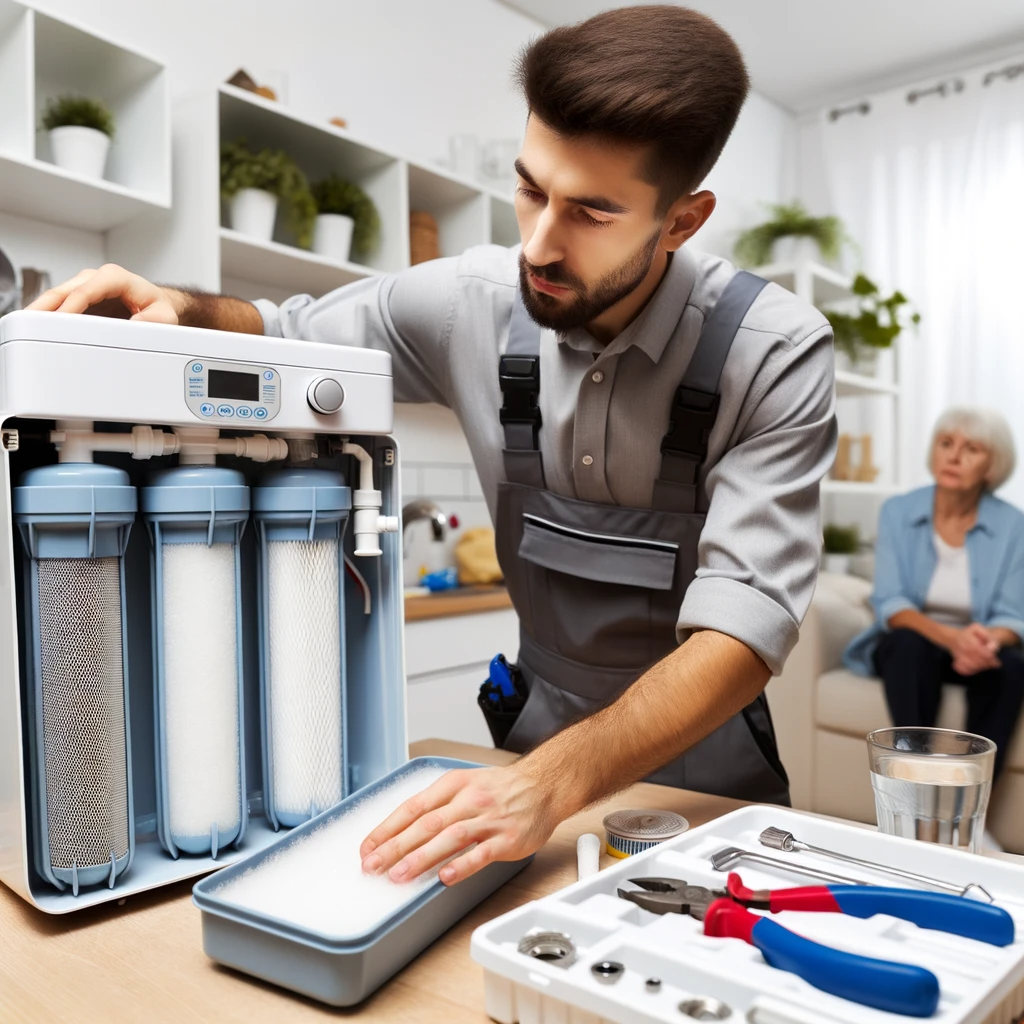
x: 685, y: 217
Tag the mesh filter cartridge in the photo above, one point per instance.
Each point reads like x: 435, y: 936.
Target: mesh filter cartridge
x: 196, y: 516
x: 74, y: 521
x: 300, y: 515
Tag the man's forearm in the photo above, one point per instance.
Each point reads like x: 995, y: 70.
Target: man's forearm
x: 220, y: 312
x: 1004, y: 637
x: 672, y: 706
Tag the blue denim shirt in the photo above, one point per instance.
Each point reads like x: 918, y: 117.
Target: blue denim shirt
x: 905, y: 561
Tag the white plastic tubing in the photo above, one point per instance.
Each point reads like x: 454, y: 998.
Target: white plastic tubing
x: 76, y: 442
x: 368, y: 523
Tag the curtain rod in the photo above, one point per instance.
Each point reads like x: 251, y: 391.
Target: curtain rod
x: 942, y: 89
x: 948, y: 87
x: 1010, y: 72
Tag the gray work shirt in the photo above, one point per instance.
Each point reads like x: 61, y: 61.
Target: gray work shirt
x: 605, y: 409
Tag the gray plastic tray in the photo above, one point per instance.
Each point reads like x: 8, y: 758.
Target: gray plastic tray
x: 339, y: 972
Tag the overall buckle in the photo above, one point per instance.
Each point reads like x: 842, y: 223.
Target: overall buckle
x: 519, y: 377
x: 693, y: 417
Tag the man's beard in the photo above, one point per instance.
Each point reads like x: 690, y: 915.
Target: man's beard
x: 588, y: 304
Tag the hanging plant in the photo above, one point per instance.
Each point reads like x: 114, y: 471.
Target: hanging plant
x: 335, y: 195
x: 875, y: 323
x: 274, y: 171
x: 754, y: 246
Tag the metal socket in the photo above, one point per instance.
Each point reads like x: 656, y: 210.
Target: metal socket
x: 607, y: 971
x: 705, y: 1009
x: 553, y: 947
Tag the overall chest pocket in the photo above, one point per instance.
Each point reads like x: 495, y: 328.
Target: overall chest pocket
x: 598, y: 598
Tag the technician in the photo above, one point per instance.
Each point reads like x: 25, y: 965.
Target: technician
x: 649, y: 427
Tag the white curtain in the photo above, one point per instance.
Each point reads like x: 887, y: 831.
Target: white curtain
x: 934, y: 194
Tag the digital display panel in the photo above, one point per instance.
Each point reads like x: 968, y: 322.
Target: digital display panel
x: 243, y: 387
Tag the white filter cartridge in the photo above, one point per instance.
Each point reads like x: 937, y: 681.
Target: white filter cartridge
x: 196, y: 515
x: 201, y: 688
x: 301, y: 516
x: 304, y: 693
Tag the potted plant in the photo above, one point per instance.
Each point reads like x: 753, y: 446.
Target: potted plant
x: 874, y: 324
x: 80, y: 131
x: 840, y: 543
x: 791, y: 235
x: 346, y: 221
x: 254, y: 183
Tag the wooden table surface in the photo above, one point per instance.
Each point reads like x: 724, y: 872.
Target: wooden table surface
x: 144, y: 961
x: 461, y: 601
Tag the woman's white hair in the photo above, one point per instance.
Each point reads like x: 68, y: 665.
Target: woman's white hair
x: 983, y: 426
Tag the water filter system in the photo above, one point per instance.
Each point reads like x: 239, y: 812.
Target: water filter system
x: 200, y: 597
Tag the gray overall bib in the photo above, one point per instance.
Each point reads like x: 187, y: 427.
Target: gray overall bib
x: 598, y: 587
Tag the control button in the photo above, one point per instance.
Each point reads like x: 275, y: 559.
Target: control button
x: 587, y: 460
x: 206, y: 409
x: 243, y: 412
x: 260, y: 412
x: 325, y: 395
x: 597, y: 376
x: 225, y: 410
x: 197, y: 367
x: 268, y: 374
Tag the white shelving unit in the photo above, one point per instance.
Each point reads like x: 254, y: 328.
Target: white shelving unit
x: 867, y: 400
x: 42, y: 57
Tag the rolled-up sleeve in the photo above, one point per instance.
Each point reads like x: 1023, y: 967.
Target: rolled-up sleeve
x: 408, y: 314
x: 761, y: 544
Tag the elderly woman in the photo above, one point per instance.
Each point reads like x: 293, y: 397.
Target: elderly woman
x: 949, y: 585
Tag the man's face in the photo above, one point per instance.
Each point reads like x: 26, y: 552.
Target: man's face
x: 587, y: 222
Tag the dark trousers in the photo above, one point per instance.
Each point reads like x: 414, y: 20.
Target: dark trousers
x: 914, y: 669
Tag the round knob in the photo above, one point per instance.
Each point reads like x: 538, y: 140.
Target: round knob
x: 325, y: 395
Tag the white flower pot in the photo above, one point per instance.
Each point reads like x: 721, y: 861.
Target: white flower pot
x: 79, y: 149
x: 836, y: 563
x: 252, y: 213
x: 796, y: 249
x: 332, y: 236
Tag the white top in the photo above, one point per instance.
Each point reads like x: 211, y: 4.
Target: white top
x: 949, y: 594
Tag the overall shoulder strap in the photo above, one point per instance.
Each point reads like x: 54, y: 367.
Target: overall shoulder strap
x: 519, y: 377
x: 695, y: 404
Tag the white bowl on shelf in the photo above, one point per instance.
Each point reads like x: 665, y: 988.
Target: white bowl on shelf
x: 80, y: 150
x: 332, y: 236
x: 252, y: 213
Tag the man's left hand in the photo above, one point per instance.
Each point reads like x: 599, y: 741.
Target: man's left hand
x: 505, y: 812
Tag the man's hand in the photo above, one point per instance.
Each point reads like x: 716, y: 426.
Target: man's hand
x: 503, y: 811
x: 111, y: 285
x: 974, y: 650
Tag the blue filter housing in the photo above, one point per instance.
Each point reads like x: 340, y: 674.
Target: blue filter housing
x: 196, y: 516
x: 74, y: 520
x: 300, y: 517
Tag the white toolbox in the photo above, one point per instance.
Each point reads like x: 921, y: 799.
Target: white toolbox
x: 979, y: 983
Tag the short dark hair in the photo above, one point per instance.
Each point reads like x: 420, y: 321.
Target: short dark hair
x: 662, y: 76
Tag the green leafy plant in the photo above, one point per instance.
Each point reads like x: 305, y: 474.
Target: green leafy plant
x: 754, y: 246
x: 272, y: 170
x: 335, y: 195
x: 79, y: 111
x: 841, y: 540
x: 877, y: 321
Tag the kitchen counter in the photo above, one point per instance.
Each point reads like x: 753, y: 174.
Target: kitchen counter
x: 460, y: 601
x: 144, y: 961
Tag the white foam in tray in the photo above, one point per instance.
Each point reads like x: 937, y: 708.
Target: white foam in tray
x: 318, y: 882
x: 980, y: 983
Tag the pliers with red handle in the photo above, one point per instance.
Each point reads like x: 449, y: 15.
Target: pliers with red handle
x: 941, y: 911
x: 886, y: 985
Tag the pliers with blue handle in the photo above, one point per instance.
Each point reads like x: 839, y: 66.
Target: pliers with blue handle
x: 883, y: 984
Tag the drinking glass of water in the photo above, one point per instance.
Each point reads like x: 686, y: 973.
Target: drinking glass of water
x: 932, y: 784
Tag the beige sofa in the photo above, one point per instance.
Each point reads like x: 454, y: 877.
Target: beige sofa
x: 822, y: 712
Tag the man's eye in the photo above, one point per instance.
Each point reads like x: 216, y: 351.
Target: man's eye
x: 593, y: 220
x: 528, y: 193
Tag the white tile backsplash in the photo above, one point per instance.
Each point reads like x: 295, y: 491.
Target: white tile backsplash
x: 443, y: 483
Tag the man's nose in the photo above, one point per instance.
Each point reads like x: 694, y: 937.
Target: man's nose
x: 545, y: 244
